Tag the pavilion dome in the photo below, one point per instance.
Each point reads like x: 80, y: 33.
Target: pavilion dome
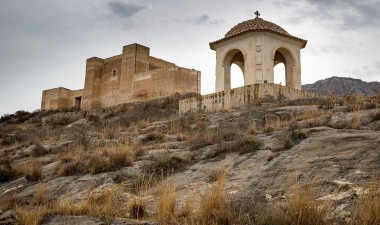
x: 256, y: 25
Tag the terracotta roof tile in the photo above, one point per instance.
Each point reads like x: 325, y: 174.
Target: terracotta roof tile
x: 253, y: 25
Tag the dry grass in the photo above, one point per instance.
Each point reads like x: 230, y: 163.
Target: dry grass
x: 355, y: 121
x: 368, y: 212
x: 120, y: 156
x: 214, y: 209
x: 104, y: 205
x: 166, y: 204
x: 273, y: 125
x: 310, y: 114
x: 31, y: 170
x: 302, y: 208
x: 137, y: 207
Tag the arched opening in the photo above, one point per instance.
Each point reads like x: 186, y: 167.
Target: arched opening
x: 279, y: 74
x: 237, y: 77
x: 283, y: 67
x: 234, y: 69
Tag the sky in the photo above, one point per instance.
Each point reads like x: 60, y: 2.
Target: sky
x: 45, y: 43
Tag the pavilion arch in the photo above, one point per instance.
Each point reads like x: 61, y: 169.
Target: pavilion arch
x: 283, y: 55
x: 233, y: 56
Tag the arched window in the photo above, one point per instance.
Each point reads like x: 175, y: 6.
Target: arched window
x: 233, y: 69
x: 283, y: 67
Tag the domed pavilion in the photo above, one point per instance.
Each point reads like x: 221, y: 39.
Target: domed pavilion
x: 256, y: 46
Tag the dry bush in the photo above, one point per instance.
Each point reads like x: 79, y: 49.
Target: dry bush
x: 104, y: 205
x: 81, y: 136
x: 165, y: 165
x: 368, y: 210
x: 328, y: 102
x: 99, y: 164
x: 217, y: 175
x: 374, y: 116
x: 137, y: 208
x: 166, y: 205
x: 310, y: 114
x: 120, y: 156
x: 302, y: 208
x: 214, y: 208
x: 70, y: 166
x: 298, y: 135
x: 248, y: 144
x: 34, y: 173
x: 200, y: 140
x: 31, y: 170
x: 355, y: 121
x: 286, y: 140
x: 6, y: 171
x: 38, y: 150
x: 245, y: 144
x: 272, y: 125
x: 154, y: 137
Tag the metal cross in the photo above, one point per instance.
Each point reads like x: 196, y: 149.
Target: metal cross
x: 257, y: 13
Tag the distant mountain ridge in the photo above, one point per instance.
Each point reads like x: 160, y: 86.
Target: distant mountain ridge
x: 343, y: 85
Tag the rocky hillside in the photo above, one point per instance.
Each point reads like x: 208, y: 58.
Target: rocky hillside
x: 343, y: 85
x: 288, y: 162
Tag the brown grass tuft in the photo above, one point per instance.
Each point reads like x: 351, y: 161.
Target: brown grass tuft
x: 369, y: 204
x: 166, y: 205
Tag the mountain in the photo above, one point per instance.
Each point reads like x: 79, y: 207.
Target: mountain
x: 343, y: 85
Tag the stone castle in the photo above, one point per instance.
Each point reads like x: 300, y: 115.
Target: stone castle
x: 255, y: 45
x: 130, y: 77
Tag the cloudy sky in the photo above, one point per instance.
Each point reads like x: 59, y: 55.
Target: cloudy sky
x: 45, y: 43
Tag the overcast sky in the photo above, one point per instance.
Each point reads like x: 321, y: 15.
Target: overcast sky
x: 45, y: 43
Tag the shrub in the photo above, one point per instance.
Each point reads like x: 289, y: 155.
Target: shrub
x: 70, y: 166
x: 369, y: 204
x: 81, y: 136
x: 298, y: 134
x: 137, y: 208
x: 99, y: 164
x: 6, y: 172
x: 164, y: 165
x: 355, y: 121
x: 34, y: 173
x: 120, y: 157
x: 39, y: 150
x: 286, y: 140
x: 248, y: 144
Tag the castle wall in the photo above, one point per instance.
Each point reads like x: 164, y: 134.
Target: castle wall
x: 131, y: 76
x: 59, y: 98
x: 241, y: 96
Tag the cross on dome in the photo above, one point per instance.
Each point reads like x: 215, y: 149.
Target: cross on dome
x: 257, y: 14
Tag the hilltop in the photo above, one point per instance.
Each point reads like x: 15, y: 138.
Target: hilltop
x: 343, y: 85
x: 308, y: 161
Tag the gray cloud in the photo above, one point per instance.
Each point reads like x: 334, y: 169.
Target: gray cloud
x: 125, y: 10
x: 206, y: 19
x: 369, y: 72
x: 349, y: 14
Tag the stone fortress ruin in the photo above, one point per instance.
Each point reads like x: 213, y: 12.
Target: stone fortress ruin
x: 130, y: 77
x: 255, y: 45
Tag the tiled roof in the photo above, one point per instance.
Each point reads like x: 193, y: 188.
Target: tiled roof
x: 253, y: 25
